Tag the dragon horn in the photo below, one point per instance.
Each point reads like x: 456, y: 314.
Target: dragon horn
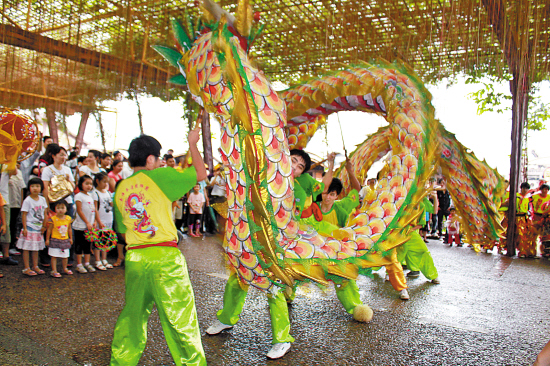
x: 243, y: 23
x: 217, y: 12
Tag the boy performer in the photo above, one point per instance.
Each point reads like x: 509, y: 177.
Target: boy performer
x: 541, y: 222
x: 305, y: 188
x: 156, y: 271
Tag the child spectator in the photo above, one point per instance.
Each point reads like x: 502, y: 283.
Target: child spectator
x: 59, y: 238
x: 196, y: 202
x: 104, y: 215
x: 453, y: 228
x: 34, y: 173
x: 85, y: 220
x: 31, y: 239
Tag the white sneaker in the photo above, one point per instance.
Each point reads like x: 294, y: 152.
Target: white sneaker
x: 404, y: 294
x: 217, y: 327
x: 436, y: 281
x: 14, y: 252
x: 278, y: 350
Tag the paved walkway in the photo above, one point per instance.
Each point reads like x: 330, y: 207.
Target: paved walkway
x: 488, y: 310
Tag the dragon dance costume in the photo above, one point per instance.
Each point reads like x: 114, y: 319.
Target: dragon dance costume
x: 526, y: 238
x: 307, y: 189
x: 265, y: 245
x: 156, y: 271
x: 541, y: 221
x: 415, y: 253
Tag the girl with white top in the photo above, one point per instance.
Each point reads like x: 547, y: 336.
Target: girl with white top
x: 103, y: 216
x: 31, y: 239
x: 85, y: 220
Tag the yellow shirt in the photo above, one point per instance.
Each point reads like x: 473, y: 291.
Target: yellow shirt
x: 522, y: 204
x: 331, y: 217
x: 143, y: 204
x: 61, y: 227
x: 506, y: 197
x: 538, y: 203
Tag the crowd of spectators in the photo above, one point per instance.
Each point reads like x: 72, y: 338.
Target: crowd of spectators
x: 31, y: 197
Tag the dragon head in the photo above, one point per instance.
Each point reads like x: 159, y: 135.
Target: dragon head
x: 213, y: 19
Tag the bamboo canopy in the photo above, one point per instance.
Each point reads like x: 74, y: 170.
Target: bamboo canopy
x: 69, y: 56
x: 72, y: 54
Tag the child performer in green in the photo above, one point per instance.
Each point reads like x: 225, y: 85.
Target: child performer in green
x: 415, y: 252
x: 156, y: 271
x: 306, y: 188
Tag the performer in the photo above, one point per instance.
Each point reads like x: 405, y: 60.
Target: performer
x: 416, y: 254
x: 306, y: 188
x: 156, y: 271
x: 541, y: 222
x: 501, y: 244
x: 329, y: 215
x: 525, y: 241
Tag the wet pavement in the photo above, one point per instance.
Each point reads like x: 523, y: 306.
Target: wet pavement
x: 488, y: 310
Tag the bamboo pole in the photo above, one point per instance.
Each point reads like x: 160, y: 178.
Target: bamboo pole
x: 207, y: 141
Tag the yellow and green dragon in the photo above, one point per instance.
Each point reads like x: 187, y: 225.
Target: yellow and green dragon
x: 266, y: 246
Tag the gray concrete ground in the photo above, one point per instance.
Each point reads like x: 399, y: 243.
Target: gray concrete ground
x: 488, y: 310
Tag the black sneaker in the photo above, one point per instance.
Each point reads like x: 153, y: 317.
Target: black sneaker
x: 10, y: 261
x: 413, y: 274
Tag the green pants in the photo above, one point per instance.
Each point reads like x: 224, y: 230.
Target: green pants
x: 233, y: 302
x: 417, y: 256
x: 348, y: 294
x: 234, y: 297
x: 157, y: 275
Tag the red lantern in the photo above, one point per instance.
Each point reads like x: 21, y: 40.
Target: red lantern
x: 19, y: 137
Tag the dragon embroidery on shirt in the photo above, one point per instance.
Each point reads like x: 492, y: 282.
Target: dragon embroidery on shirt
x: 135, y: 206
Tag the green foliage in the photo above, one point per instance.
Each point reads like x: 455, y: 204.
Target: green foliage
x: 489, y: 100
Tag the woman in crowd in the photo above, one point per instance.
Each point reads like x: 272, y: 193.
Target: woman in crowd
x: 91, y: 167
x: 114, y: 175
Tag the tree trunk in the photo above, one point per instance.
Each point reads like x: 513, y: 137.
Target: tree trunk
x: 207, y: 142
x: 519, y: 87
x: 80, y: 136
x: 50, y: 116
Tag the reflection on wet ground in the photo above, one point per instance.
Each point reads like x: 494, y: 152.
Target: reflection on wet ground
x: 488, y: 310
